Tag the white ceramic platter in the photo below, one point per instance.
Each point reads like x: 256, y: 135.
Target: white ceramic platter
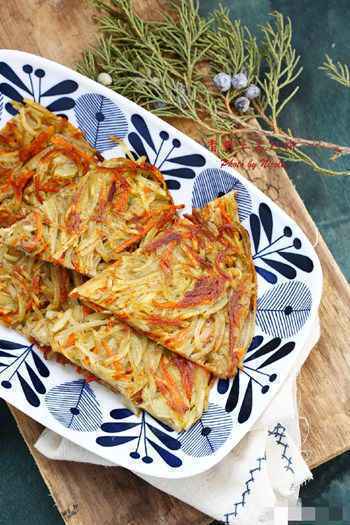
x: 289, y: 290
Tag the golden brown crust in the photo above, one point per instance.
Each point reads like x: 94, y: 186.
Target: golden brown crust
x: 191, y: 289
x: 118, y: 204
x: 34, y: 300
x: 40, y: 153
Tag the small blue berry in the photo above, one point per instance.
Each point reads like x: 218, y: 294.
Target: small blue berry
x: 159, y: 104
x: 252, y: 92
x: 239, y: 81
x: 242, y: 104
x: 222, y: 81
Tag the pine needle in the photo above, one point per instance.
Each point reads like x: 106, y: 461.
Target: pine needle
x: 338, y: 72
x: 168, y: 67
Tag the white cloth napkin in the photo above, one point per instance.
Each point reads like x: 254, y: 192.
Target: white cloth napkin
x: 256, y: 483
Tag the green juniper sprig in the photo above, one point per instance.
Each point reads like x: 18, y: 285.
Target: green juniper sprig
x: 338, y: 72
x: 212, y: 71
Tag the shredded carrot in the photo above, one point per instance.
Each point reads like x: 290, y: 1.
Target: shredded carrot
x: 121, y: 203
x: 166, y: 238
x: 46, y: 350
x: 224, y: 213
x: 73, y: 221
x: 206, y: 290
x: 19, y: 184
x: 64, y: 284
x: 78, y: 156
x: 6, y: 318
x: 36, y: 145
x: 219, y: 258
x: 87, y: 310
x: 165, y: 259
x: 125, y: 244
x: 89, y: 378
x: 107, y: 348
x: 39, y: 226
x: 7, y: 218
x: 120, y: 373
x: 36, y: 284
x: 156, y: 319
x: 70, y: 341
x: 187, y: 374
x: 169, y: 388
x: 111, y: 191
x: 198, y: 220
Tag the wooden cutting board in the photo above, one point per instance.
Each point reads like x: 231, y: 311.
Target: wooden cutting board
x: 60, y: 29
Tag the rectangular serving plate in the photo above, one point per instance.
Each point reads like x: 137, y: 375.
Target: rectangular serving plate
x: 289, y: 290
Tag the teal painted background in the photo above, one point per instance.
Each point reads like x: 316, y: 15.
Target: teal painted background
x: 321, y: 109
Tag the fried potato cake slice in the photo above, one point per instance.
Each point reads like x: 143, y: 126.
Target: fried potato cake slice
x: 34, y: 300
x: 191, y: 289
x: 118, y: 204
x: 40, y: 153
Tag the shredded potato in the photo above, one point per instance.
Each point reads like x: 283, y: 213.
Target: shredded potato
x: 191, y: 289
x: 40, y: 153
x: 34, y: 300
x: 114, y: 207
x: 186, y: 283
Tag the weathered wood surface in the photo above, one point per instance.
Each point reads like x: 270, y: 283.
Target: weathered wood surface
x: 85, y: 494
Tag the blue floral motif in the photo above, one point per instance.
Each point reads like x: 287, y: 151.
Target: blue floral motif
x: 100, y: 119
x: 208, y: 434
x: 75, y: 405
x: 20, y: 362
x: 214, y: 182
x: 276, y: 245
x: 141, y: 430
x: 32, y: 87
x: 160, y: 150
x: 283, y: 310
x: 266, y: 354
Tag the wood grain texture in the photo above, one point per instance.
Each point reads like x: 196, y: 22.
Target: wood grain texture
x: 60, y: 29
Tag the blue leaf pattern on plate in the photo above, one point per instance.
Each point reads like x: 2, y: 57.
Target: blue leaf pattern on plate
x: 61, y: 104
x: 10, y: 92
x: 276, y: 244
x: 283, y: 310
x: 158, y: 150
x: 277, y: 251
x: 16, y: 358
x: 266, y: 220
x: 17, y: 89
x: 100, y: 119
x: 141, y: 127
x: 9, y: 74
x: 208, y: 434
x: 66, y: 87
x: 141, y: 432
x: 75, y: 406
x: 247, y: 404
x: 257, y: 351
x: 214, y: 182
